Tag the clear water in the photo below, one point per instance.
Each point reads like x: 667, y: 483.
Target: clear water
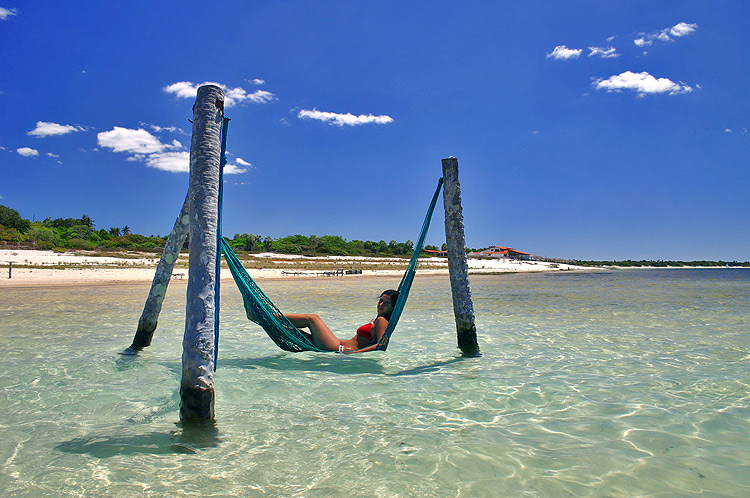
x: 625, y: 383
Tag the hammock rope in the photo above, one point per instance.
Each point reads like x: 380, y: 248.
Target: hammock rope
x: 261, y: 310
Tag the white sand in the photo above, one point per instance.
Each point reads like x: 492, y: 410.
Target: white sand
x: 47, y: 268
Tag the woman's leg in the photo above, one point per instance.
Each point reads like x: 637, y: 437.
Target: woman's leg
x: 322, y: 336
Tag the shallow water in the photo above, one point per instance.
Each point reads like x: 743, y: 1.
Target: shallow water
x: 624, y: 383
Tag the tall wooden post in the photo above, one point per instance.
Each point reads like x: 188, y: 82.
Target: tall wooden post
x: 458, y: 266
x: 150, y: 316
x: 197, y: 386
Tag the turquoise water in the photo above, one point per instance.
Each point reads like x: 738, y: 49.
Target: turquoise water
x: 622, y: 383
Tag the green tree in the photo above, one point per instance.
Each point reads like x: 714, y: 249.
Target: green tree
x: 40, y: 233
x: 333, y: 244
x: 80, y: 231
x: 10, y: 234
x: 371, y: 247
x: 10, y: 218
x: 253, y: 242
x: 268, y: 244
x: 86, y: 220
x: 314, y: 243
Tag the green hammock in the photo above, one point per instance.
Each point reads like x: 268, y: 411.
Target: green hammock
x: 282, y: 331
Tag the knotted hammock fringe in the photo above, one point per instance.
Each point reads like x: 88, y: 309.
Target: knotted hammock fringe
x: 261, y: 310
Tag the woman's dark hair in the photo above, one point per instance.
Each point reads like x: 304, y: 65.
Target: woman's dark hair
x: 393, y: 296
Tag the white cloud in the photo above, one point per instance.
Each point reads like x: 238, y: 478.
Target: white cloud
x: 144, y: 147
x: 347, y: 119
x: 6, y: 13
x: 134, y: 141
x: 232, y: 96
x: 682, y: 29
x: 233, y: 169
x: 27, y: 152
x: 257, y: 81
x: 50, y: 154
x: 666, y: 35
x: 179, y: 162
x: 242, y: 162
x: 45, y: 129
x: 175, y: 162
x: 642, y: 83
x: 561, y: 52
x: 603, y: 52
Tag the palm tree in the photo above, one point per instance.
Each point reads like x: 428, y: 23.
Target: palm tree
x: 126, y: 230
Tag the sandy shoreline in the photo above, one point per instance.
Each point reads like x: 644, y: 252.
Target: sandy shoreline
x: 28, y: 268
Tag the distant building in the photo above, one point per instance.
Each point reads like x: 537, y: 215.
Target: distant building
x: 501, y: 252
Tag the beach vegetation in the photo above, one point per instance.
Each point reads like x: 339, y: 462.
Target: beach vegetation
x: 60, y: 234
x: 8, y: 234
x: 10, y: 218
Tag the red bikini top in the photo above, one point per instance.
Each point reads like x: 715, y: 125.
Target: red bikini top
x: 365, y: 331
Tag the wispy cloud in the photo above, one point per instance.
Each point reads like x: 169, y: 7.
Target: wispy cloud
x: 666, y: 35
x: 603, y: 52
x: 562, y: 52
x: 347, y: 119
x: 50, y: 154
x: 257, y: 81
x: 153, y: 152
x: 27, y: 152
x: 6, y: 13
x: 46, y: 129
x: 159, y: 129
x: 641, y: 83
x: 232, y: 96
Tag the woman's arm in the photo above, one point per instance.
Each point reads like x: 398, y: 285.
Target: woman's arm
x: 379, y: 328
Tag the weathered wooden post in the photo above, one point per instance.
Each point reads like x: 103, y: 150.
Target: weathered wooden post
x: 197, y: 386
x: 150, y: 316
x: 458, y: 266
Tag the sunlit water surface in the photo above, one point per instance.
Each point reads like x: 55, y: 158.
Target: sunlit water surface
x: 622, y: 383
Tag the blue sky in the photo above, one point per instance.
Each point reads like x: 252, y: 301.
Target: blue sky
x: 584, y: 129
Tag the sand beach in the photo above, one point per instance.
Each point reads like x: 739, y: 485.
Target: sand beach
x: 30, y: 268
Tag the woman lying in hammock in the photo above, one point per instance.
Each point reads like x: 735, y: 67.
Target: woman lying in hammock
x: 367, y: 335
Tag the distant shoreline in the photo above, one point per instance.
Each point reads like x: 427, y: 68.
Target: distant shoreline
x: 30, y: 268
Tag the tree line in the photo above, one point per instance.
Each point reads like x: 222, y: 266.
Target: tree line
x: 80, y: 233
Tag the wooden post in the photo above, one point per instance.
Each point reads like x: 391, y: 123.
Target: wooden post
x: 150, y: 316
x: 458, y: 266
x: 197, y: 386
x: 10, y: 269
